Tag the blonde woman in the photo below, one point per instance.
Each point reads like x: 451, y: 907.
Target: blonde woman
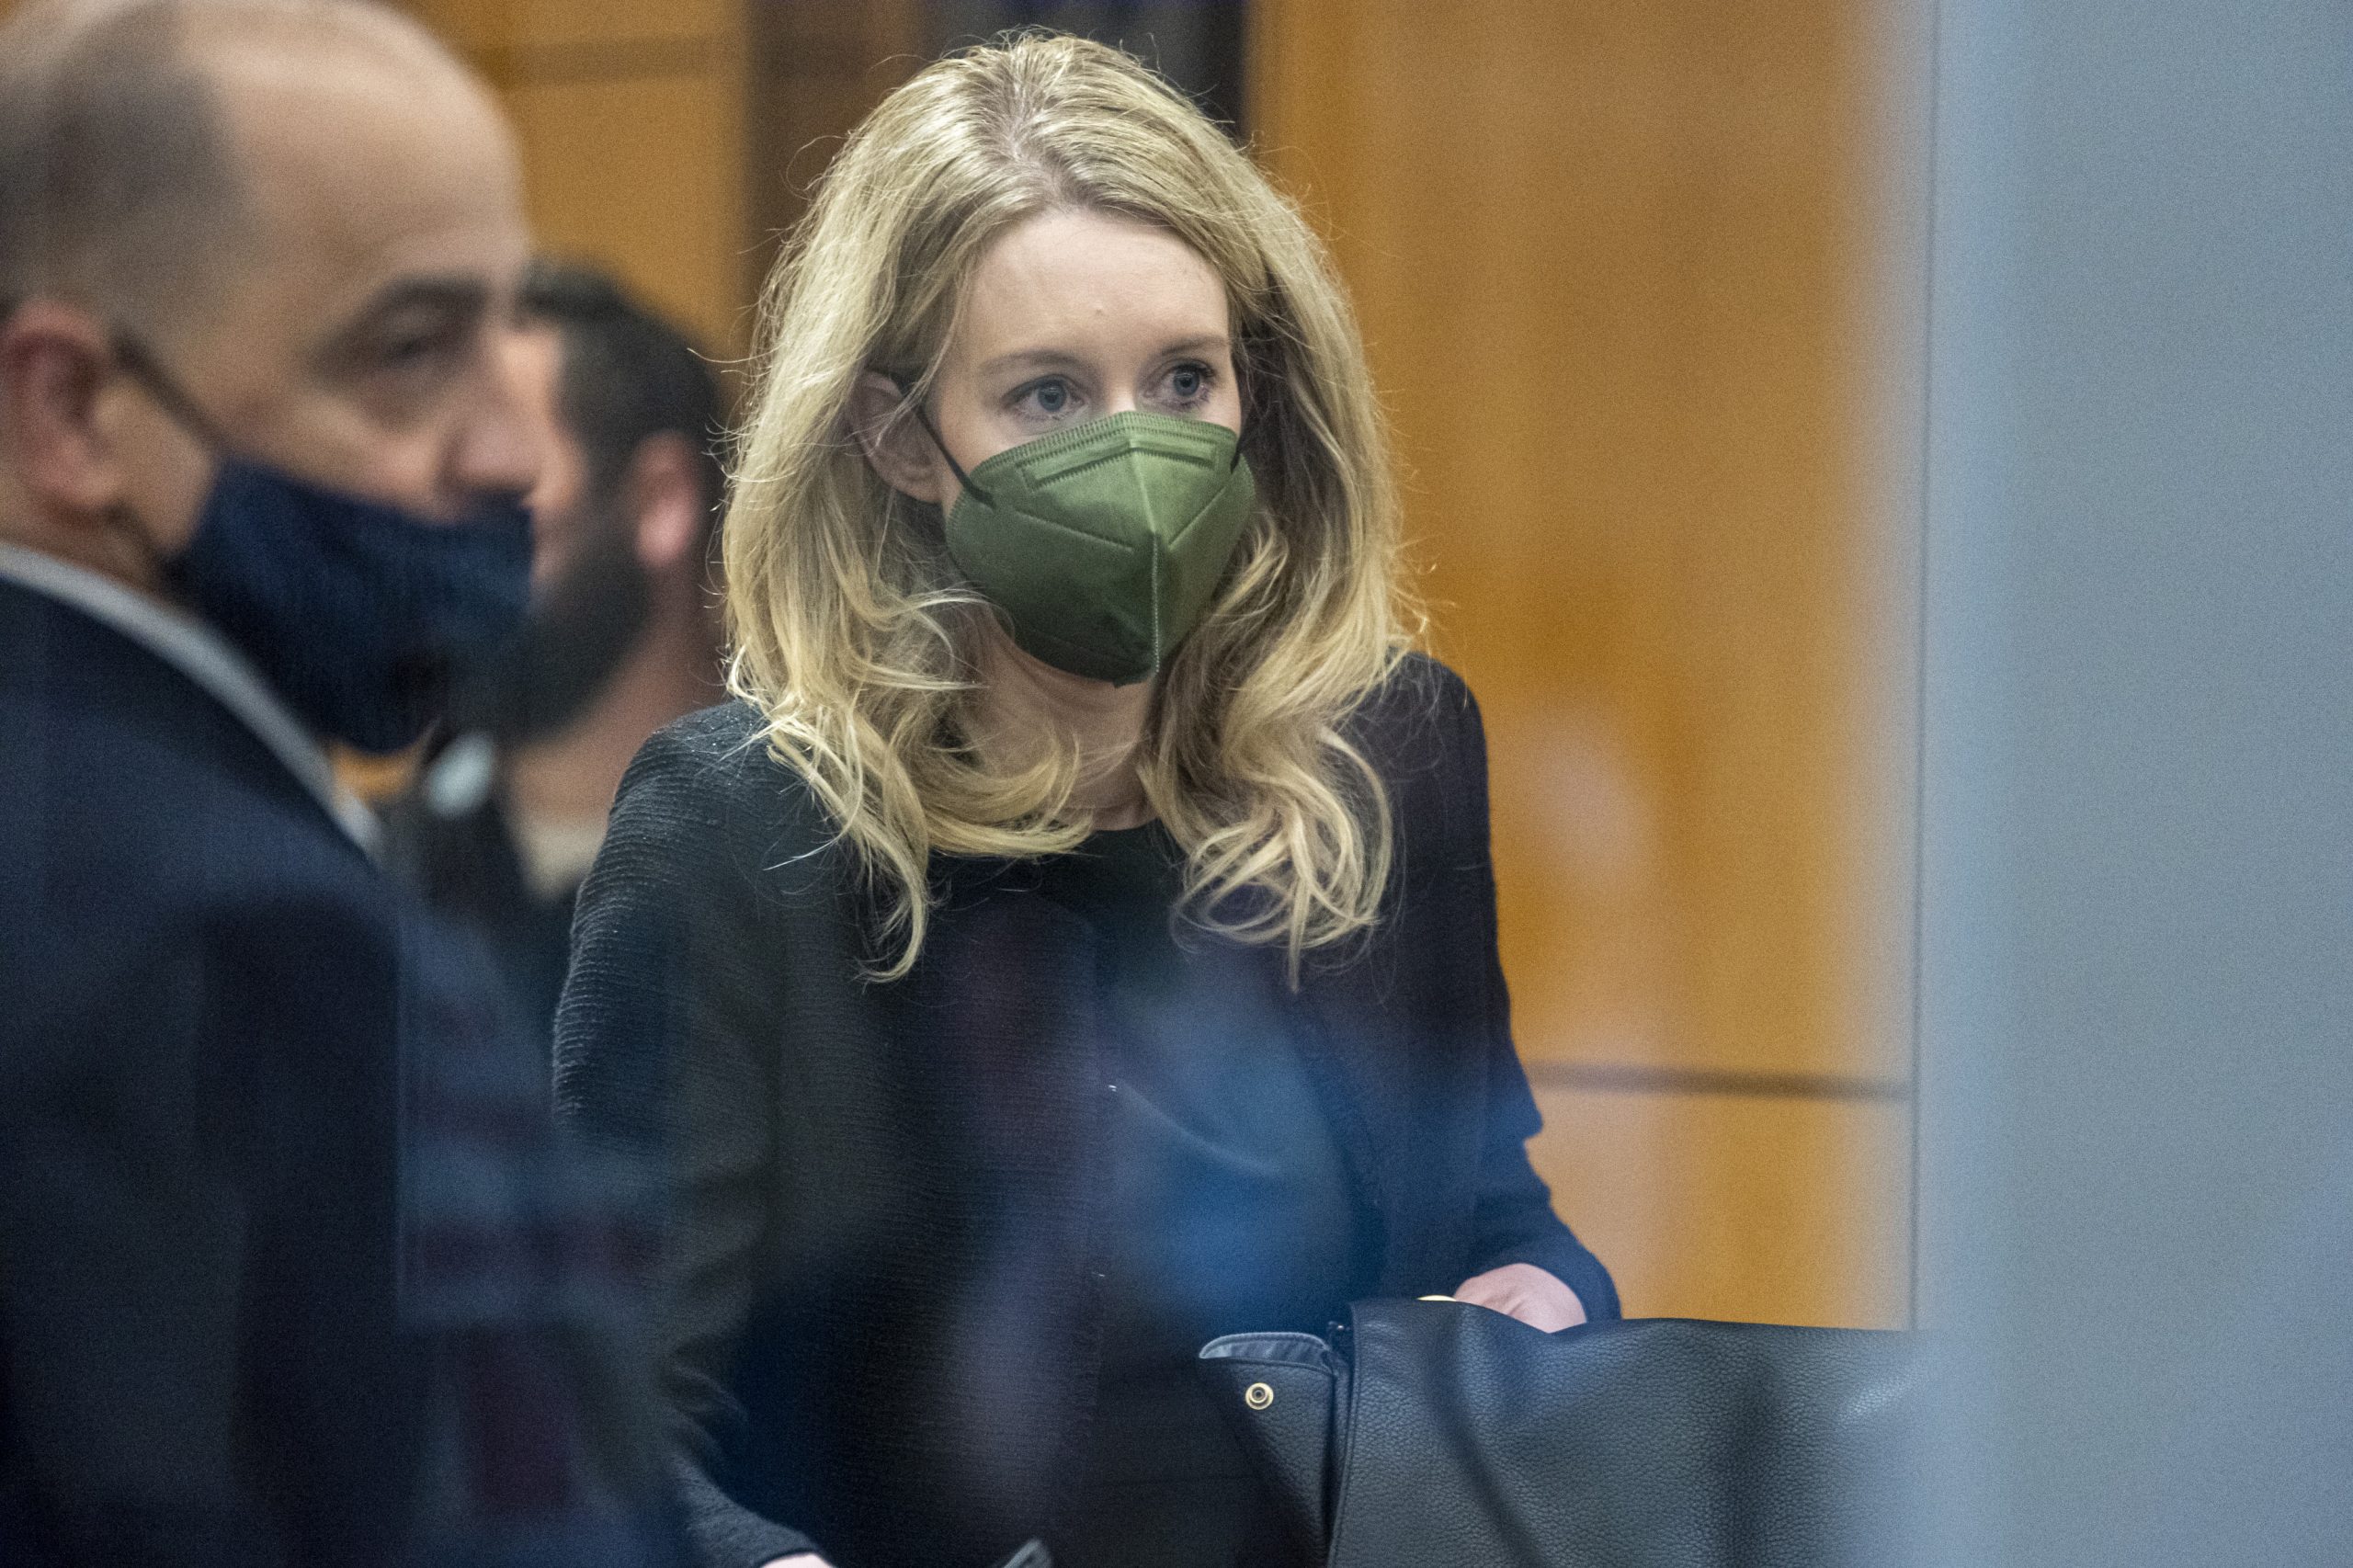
x: 1077, y: 939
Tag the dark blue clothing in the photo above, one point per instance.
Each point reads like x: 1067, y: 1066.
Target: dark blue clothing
x: 888, y: 1304
x: 293, y: 1268
x: 1230, y: 1211
x: 467, y: 867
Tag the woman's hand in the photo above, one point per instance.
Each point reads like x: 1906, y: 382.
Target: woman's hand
x: 1524, y: 1291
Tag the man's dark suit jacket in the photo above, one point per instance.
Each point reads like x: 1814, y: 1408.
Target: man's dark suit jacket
x: 468, y: 867
x: 291, y: 1267
x: 883, y: 1319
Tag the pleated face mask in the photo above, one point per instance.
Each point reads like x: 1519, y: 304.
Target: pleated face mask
x: 1102, y: 545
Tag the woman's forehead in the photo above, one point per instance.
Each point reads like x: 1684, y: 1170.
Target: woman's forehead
x: 1072, y: 281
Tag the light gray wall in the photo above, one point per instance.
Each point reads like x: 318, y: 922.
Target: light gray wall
x: 2136, y: 983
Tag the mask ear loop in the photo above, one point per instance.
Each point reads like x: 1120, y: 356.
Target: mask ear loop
x: 914, y: 407
x: 141, y: 366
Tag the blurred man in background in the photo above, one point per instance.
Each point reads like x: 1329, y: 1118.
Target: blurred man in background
x: 291, y: 1268
x: 624, y: 635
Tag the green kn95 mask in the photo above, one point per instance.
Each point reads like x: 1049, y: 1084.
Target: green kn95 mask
x: 1102, y: 545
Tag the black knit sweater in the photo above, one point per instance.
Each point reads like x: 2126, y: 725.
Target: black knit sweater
x: 883, y: 1318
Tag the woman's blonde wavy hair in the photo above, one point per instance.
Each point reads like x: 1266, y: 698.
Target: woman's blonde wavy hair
x: 852, y: 632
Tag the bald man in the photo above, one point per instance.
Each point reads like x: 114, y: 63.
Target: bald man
x: 291, y: 1268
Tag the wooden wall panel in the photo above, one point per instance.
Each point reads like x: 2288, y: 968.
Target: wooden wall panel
x: 626, y: 172
x: 1603, y: 256
x: 818, y: 66
x: 543, y: 24
x: 1781, y: 1209
x: 632, y: 124
x: 1612, y: 263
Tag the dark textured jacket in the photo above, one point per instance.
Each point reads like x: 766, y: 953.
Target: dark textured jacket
x: 884, y: 1323
x: 291, y: 1268
x: 468, y: 869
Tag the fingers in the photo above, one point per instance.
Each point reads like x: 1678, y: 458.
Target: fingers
x: 1486, y: 1291
x: 1524, y: 1291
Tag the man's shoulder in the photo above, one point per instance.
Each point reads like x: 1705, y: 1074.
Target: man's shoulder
x: 137, y: 807
x: 92, y: 784
x: 153, y: 878
x: 95, y: 724
x: 106, y: 820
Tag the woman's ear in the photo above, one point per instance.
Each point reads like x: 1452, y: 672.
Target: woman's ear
x: 893, y: 440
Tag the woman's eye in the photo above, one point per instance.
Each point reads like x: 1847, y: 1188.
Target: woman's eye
x: 1189, y: 384
x: 1050, y: 397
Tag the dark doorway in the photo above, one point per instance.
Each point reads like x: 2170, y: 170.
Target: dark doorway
x: 1198, y: 44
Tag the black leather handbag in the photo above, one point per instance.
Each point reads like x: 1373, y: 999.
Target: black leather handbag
x: 1423, y: 1434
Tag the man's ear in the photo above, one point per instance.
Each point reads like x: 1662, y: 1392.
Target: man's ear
x: 893, y: 440
x: 55, y: 366
x: 663, y: 491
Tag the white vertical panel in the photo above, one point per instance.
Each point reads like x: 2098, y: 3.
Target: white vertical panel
x: 2137, y: 986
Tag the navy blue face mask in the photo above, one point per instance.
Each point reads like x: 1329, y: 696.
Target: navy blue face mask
x: 364, y: 618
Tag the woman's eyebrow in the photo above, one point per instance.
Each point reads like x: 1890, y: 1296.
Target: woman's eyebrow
x: 1201, y: 344
x: 1033, y: 359
x: 1062, y: 359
